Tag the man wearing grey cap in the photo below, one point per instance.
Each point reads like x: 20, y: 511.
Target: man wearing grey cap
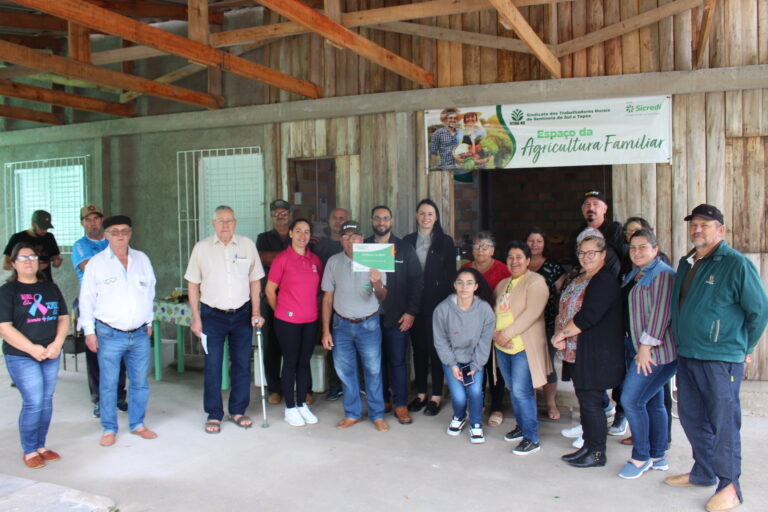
x: 351, y: 328
x: 719, y: 311
x: 44, y: 242
x: 270, y: 244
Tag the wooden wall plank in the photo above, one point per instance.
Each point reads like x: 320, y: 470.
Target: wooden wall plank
x: 634, y: 191
x: 343, y: 192
x: 739, y: 195
x: 758, y: 369
x: 715, y: 134
x: 649, y: 193
x: 596, y: 53
x: 649, y: 41
x: 664, y: 219
x: 730, y: 191
x: 612, y: 46
x: 422, y: 177
x: 630, y: 42
x: 717, y: 52
x: 733, y: 99
x: 755, y: 170
x: 488, y: 56
x: 666, y: 42
x: 752, y: 99
x: 321, y: 142
x: 679, y: 176
x: 696, y: 150
x: 456, y: 54
x: 683, y: 41
x: 471, y: 63
x: 619, y: 192
x: 565, y: 33
x: 579, y: 24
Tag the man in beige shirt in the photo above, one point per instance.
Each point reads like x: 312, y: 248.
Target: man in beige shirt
x: 223, y: 274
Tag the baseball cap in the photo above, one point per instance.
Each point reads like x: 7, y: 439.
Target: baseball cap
x: 593, y: 193
x: 351, y: 225
x: 89, y: 209
x: 43, y: 219
x: 706, y: 211
x: 279, y: 204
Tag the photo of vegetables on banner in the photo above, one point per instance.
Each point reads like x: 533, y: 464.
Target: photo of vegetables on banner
x: 567, y: 133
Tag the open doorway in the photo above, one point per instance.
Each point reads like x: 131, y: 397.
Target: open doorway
x: 312, y: 190
x: 513, y: 201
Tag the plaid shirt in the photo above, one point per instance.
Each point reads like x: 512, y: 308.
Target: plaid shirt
x: 443, y: 142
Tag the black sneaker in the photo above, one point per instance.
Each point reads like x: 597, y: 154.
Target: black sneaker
x: 122, y: 405
x: 526, y: 447
x: 96, y: 410
x: 334, y: 393
x: 514, y: 435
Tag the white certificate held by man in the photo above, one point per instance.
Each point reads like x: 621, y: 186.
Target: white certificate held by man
x: 378, y: 256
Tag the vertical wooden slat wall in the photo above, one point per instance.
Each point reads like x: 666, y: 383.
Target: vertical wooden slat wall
x: 719, y: 139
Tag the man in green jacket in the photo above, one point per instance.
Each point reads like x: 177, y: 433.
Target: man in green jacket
x: 719, y: 312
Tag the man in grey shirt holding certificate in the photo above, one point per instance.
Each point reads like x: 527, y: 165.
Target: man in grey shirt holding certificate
x: 350, y: 312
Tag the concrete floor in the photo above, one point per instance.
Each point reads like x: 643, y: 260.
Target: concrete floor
x: 415, y: 467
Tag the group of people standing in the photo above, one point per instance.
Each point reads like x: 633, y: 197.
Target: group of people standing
x: 621, y: 319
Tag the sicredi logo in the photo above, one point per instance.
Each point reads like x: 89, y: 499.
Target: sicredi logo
x: 633, y: 108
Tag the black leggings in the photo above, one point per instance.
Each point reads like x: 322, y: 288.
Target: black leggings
x: 593, y: 418
x: 425, y: 356
x: 297, y: 341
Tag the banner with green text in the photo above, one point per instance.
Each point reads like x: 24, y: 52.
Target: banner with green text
x: 567, y: 133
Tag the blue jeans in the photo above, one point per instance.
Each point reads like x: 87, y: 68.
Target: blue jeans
x: 135, y: 348
x: 643, y: 400
x: 349, y: 341
x: 710, y: 413
x: 461, y: 393
x: 393, y: 369
x: 517, y: 375
x: 236, y: 327
x: 36, y: 381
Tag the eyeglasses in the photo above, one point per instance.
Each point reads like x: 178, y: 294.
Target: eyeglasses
x: 460, y: 284
x: 119, y: 232
x: 281, y: 214
x: 588, y: 254
x: 482, y: 247
x: 31, y: 257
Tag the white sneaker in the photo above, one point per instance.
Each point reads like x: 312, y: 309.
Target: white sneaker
x: 293, y: 417
x: 476, y: 434
x: 306, y: 414
x: 572, y: 432
x: 456, y: 426
x: 578, y: 443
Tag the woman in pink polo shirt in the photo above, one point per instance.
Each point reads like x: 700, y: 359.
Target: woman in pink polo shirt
x: 292, y: 288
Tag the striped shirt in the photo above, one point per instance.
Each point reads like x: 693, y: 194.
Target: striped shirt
x: 650, y: 310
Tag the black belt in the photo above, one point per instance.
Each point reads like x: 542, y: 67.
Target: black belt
x: 120, y: 330
x: 356, y: 320
x: 227, y: 311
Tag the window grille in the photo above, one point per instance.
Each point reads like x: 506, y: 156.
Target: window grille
x: 209, y: 178
x: 56, y: 185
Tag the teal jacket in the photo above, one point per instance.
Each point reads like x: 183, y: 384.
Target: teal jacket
x: 726, y: 309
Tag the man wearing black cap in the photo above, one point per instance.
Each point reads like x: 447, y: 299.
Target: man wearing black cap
x: 351, y: 329
x: 594, y: 209
x: 116, y: 316
x: 270, y: 244
x: 719, y: 311
x: 45, y: 243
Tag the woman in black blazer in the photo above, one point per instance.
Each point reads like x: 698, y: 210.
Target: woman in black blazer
x: 588, y: 330
x: 437, y: 255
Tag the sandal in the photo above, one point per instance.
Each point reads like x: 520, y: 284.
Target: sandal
x: 496, y: 419
x: 241, y: 420
x: 212, y: 426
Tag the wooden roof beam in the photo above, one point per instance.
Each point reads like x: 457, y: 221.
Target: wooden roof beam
x: 64, y: 99
x: 32, y: 21
x: 79, y: 42
x: 625, y: 26
x: 27, y: 114
x: 144, y: 9
x: 511, y: 17
x: 111, y: 23
x: 74, y: 69
x: 704, y: 31
x: 365, y: 17
x: 352, y: 41
x: 38, y: 42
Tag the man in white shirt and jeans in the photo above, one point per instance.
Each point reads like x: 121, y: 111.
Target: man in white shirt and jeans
x: 116, y: 316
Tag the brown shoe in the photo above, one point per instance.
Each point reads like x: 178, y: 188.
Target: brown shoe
x: 626, y: 441
x: 310, y: 399
x: 681, y: 481
x: 403, y: 418
x: 347, y: 422
x: 274, y: 398
x: 49, y: 455
x: 144, y: 433
x: 722, y: 501
x: 34, y: 462
x: 387, y: 407
x: 381, y: 425
x: 107, y: 439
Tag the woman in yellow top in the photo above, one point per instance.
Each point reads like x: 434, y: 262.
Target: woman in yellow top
x: 520, y: 340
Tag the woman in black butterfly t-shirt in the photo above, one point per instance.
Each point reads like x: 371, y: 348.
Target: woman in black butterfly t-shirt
x: 33, y: 325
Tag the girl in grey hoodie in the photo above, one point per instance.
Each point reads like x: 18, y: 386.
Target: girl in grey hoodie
x: 463, y: 326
